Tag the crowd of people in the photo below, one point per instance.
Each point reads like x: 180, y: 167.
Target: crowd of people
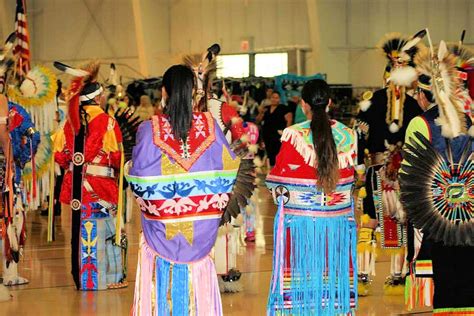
x: 189, y: 162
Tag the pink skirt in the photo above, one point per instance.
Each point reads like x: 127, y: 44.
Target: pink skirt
x: 165, y: 287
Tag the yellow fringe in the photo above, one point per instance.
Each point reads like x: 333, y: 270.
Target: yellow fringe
x: 110, y: 140
x: 51, y: 200
x: 362, y: 247
x: 118, y: 224
x: 362, y: 193
x: 58, y: 140
x: 377, y: 237
x: 391, y: 251
x: 39, y: 173
x: 364, y: 219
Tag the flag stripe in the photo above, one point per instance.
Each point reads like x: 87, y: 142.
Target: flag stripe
x: 22, y: 47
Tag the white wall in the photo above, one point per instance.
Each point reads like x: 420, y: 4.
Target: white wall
x: 349, y: 30
x: 197, y: 23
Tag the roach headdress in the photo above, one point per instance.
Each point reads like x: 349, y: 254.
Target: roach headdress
x: 400, y: 52
x: 83, y: 89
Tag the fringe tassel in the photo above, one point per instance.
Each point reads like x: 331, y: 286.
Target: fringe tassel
x: 163, y: 282
x: 303, y: 148
x: 110, y: 143
x: 166, y: 288
x: 137, y: 293
x: 142, y: 304
x: 119, y: 222
x: 318, y: 278
x: 51, y: 201
x: 418, y: 292
x: 41, y: 167
x: 206, y: 292
x: 180, y: 290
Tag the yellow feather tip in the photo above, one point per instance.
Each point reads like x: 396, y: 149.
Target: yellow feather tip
x: 364, y: 219
x: 362, y: 193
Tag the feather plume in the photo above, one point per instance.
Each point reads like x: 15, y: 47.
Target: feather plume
x: 442, y: 50
x: 70, y: 70
x: 86, y: 73
x: 403, y: 76
x: 463, y: 34
x: 204, y: 68
x: 464, y: 56
x: 5, y: 65
x: 441, y: 68
x: 471, y: 131
x: 364, y: 105
x: 112, y: 80
x: 392, y: 42
x: 6, y: 61
x: 7, y: 47
x: 128, y: 123
x: 398, y: 46
x: 414, y: 40
x: 92, y: 68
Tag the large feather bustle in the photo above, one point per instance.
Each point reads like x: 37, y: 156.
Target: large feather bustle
x: 446, y: 85
x: 128, y: 123
x: 70, y: 70
x: 242, y: 190
x: 427, y: 209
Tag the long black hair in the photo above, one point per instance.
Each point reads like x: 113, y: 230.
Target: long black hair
x: 178, y: 81
x: 316, y: 94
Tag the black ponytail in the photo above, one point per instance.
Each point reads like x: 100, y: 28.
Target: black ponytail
x: 316, y: 94
x: 178, y: 81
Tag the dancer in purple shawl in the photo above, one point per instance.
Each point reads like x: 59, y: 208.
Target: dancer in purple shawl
x: 182, y: 173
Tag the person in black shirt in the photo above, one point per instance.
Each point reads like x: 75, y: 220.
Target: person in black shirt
x: 274, y: 119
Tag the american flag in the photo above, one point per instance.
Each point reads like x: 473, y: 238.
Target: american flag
x: 22, y: 48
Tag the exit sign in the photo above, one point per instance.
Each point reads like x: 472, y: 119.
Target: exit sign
x: 244, y: 46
